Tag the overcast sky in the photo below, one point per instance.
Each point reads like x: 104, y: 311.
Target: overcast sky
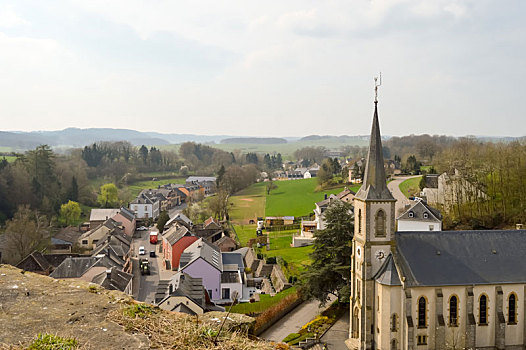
x: 264, y: 68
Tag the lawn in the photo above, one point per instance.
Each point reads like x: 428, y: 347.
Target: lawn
x: 295, y: 197
x: 245, y: 233
x: 248, y: 204
x: 410, y: 187
x: 295, y: 258
x: 9, y: 159
x: 265, y: 302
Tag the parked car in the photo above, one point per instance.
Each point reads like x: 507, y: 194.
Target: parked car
x: 142, y: 228
x: 152, y: 254
x: 142, y: 251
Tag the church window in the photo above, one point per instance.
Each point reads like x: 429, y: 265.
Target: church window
x: 355, y: 323
x: 380, y: 223
x: 512, y: 309
x: 483, y: 309
x: 421, y: 340
x: 453, y: 311
x: 394, y: 321
x: 360, y: 220
x: 394, y: 344
x: 422, y: 312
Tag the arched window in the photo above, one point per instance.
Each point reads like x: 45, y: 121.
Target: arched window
x: 355, y: 323
x: 394, y: 344
x: 380, y: 223
x: 360, y: 220
x: 453, y: 311
x: 483, y: 309
x: 422, y: 312
x: 512, y: 308
x: 394, y: 321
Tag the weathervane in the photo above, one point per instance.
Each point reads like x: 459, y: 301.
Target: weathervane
x: 377, y: 83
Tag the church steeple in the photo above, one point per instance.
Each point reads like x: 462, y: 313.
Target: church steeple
x: 374, y: 185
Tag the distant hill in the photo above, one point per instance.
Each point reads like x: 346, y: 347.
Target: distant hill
x: 254, y: 140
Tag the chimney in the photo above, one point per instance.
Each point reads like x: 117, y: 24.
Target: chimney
x: 518, y: 226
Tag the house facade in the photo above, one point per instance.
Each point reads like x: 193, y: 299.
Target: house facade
x: 420, y: 217
x: 127, y: 219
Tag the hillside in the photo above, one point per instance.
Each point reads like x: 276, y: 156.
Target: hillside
x: 100, y: 319
x: 254, y: 140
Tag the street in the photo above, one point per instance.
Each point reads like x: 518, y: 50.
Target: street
x: 401, y: 199
x: 147, y: 283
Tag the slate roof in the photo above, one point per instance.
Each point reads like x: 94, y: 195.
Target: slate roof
x: 183, y: 285
x: 181, y: 218
x: 69, y: 234
x: 387, y: 274
x: 202, y: 249
x: 374, y: 182
x: 39, y: 260
x: 201, y: 179
x: 57, y: 241
x: 175, y: 233
x: 128, y: 214
x: 114, y: 280
x: 232, y: 258
x: 74, y: 267
x: 419, y: 209
x: 440, y: 258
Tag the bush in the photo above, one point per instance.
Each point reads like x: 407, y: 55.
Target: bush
x: 291, y: 337
x: 260, y: 256
x: 53, y: 342
x: 271, y: 260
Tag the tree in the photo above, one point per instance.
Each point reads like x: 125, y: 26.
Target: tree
x: 109, y: 195
x: 219, y: 203
x: 73, y: 192
x: 325, y: 173
x: 330, y: 270
x: 143, y: 152
x: 270, y: 186
x: 69, y: 213
x: 162, y: 220
x: 26, y: 232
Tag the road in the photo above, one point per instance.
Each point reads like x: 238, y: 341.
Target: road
x: 147, y: 283
x: 401, y: 199
x: 294, y: 320
x: 176, y: 210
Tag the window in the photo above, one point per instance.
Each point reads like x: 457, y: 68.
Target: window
x: 380, y: 223
x: 421, y: 340
x: 84, y: 241
x: 512, y: 309
x: 394, y: 345
x: 394, y: 320
x: 483, y: 310
x: 453, y: 311
x: 359, y: 220
x: 411, y: 214
x: 431, y: 227
x: 95, y: 241
x: 210, y: 293
x: 426, y: 215
x: 355, y: 323
x: 422, y: 312
x: 225, y: 293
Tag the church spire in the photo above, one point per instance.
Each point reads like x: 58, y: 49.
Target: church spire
x: 374, y: 185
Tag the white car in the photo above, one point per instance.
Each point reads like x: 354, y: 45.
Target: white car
x: 142, y: 251
x: 142, y: 228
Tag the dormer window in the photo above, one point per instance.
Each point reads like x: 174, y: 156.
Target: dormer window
x: 426, y: 215
x: 411, y: 214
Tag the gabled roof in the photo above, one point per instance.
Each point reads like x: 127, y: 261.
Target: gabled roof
x: 418, y: 209
x: 387, y: 274
x: 175, y: 233
x: 74, y: 267
x: 202, y: 249
x: 102, y: 214
x: 181, y: 218
x: 374, y: 181
x: 128, y: 214
x: 211, y: 223
x: 344, y: 193
x: 440, y: 258
x: 38, y: 258
x: 113, y: 279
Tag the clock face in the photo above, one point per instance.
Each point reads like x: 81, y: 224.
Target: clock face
x: 380, y: 255
x: 359, y: 252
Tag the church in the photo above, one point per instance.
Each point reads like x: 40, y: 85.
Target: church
x: 430, y: 289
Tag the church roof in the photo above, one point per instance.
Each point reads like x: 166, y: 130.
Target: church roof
x: 387, y: 274
x: 374, y: 182
x: 440, y: 258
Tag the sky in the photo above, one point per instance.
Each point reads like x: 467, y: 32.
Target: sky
x: 264, y: 68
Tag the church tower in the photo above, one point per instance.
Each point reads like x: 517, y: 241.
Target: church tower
x: 374, y: 228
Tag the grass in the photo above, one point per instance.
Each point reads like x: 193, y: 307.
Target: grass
x: 245, y: 233
x: 295, y: 258
x: 9, y: 159
x: 53, y: 342
x: 410, y: 187
x: 264, y: 303
x: 295, y: 197
x: 248, y: 204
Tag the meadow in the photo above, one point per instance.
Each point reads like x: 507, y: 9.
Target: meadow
x: 411, y: 187
x: 9, y: 159
x: 248, y: 204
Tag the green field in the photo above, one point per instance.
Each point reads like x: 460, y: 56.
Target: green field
x: 248, y: 204
x: 245, y: 233
x: 265, y: 302
x: 9, y: 159
x: 137, y: 187
x: 295, y: 197
x: 410, y: 187
x: 296, y: 258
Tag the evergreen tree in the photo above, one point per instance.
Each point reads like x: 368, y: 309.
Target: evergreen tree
x: 73, y: 192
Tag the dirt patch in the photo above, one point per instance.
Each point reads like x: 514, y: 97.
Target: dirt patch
x: 246, y: 199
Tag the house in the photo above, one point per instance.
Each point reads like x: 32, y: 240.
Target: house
x: 175, y: 240
x: 226, y: 244
x: 119, y: 245
x: 89, y: 239
x: 98, y: 216
x: 69, y: 234
x: 320, y: 208
x: 184, y: 293
x: 147, y: 204
x: 114, y: 279
x: 203, y: 260
x: 59, y: 246
x: 207, y: 182
x: 430, y: 289
x: 126, y: 218
x: 420, y: 217
x: 181, y: 219
x: 35, y: 262
x: 233, y: 279
x: 449, y: 189
x: 311, y: 172
x: 211, y: 230
x: 346, y: 195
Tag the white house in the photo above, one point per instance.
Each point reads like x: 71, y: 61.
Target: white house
x: 420, y: 217
x: 147, y: 204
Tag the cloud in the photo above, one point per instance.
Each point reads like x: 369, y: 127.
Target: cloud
x: 8, y: 17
